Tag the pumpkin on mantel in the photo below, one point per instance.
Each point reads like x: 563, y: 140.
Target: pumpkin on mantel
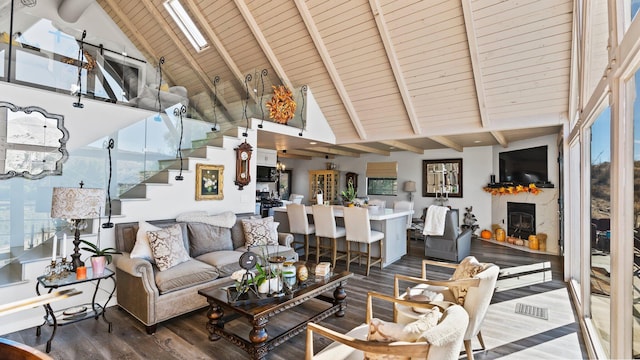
x: 485, y: 234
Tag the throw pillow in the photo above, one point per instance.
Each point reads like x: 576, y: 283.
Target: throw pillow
x: 425, y: 322
x: 205, y: 238
x: 142, y: 249
x: 384, y: 331
x: 167, y: 247
x: 468, y: 268
x: 260, y: 232
x: 426, y: 296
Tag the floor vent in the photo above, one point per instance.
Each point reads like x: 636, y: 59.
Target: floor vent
x: 533, y: 311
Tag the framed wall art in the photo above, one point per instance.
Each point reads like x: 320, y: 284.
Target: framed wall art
x: 209, y: 182
x: 442, y: 178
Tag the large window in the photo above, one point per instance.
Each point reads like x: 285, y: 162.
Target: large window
x: 600, y: 235
x: 632, y: 88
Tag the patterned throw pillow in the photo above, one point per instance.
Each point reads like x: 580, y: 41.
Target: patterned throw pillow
x: 260, y: 232
x: 425, y: 322
x: 167, y: 247
x: 468, y: 268
x: 384, y: 331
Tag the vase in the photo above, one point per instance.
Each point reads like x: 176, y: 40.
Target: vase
x: 98, y: 263
x: 270, y: 286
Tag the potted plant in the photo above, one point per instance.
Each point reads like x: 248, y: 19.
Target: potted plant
x: 100, y: 258
x: 349, y: 195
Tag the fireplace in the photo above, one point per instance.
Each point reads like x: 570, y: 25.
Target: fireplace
x: 521, y: 219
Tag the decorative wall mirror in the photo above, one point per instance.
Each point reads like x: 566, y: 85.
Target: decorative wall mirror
x: 32, y: 142
x: 442, y: 178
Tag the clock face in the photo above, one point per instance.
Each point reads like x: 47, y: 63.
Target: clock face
x: 243, y: 175
x: 244, y: 155
x: 248, y: 260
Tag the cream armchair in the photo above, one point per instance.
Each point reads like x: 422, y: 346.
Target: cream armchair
x: 479, y: 291
x: 441, y: 342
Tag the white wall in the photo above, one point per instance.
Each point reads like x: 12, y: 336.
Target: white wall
x: 476, y: 164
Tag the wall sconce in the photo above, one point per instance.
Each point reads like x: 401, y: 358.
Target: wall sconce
x: 410, y: 187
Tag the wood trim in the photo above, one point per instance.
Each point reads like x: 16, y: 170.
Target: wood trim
x: 376, y: 9
x: 289, y: 155
x: 446, y: 142
x: 329, y: 150
x: 308, y: 153
x: 331, y: 69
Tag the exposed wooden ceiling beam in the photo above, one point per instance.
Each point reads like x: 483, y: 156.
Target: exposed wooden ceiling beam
x: 474, y: 52
x: 289, y: 155
x: 222, y: 51
x: 403, y: 146
x: 262, y: 41
x: 137, y: 35
x: 395, y: 65
x: 329, y: 150
x: 309, y: 153
x: 367, y: 149
x: 446, y: 142
x: 331, y: 68
x: 500, y: 138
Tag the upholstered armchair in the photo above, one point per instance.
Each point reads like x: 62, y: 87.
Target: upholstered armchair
x: 453, y: 245
x: 442, y: 341
x: 472, y: 285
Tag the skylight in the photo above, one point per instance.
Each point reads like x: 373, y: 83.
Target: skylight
x: 186, y: 24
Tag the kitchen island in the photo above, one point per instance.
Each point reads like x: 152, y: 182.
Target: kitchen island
x: 393, y: 223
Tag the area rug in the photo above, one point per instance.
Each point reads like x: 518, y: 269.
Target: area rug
x: 533, y: 311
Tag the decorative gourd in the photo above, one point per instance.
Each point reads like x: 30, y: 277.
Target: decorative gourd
x: 485, y: 234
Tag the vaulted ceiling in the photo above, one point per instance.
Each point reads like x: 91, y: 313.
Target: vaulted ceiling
x: 387, y: 74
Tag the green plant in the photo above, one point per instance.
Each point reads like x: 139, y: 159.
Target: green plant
x: 107, y: 252
x: 350, y: 193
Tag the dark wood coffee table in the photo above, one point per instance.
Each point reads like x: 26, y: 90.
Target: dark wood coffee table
x: 259, y: 313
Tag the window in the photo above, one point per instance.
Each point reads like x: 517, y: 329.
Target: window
x: 382, y: 178
x: 186, y: 24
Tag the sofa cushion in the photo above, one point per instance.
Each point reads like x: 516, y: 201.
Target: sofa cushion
x: 259, y: 232
x: 226, y: 262
x: 205, y: 238
x: 142, y: 248
x: 167, y: 246
x: 186, y: 274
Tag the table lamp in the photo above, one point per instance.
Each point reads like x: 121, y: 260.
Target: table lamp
x: 76, y: 204
x: 410, y: 187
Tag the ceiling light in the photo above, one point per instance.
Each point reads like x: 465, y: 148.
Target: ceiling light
x: 188, y: 27
x: 313, y: 143
x: 477, y: 141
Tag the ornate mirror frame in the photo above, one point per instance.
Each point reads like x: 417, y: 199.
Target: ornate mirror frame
x: 24, y: 140
x: 438, y: 183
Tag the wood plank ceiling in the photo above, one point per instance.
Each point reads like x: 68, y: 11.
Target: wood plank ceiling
x: 387, y: 74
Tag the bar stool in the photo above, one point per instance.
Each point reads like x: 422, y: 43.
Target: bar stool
x: 325, y: 222
x: 299, y: 224
x: 404, y: 205
x: 356, y: 222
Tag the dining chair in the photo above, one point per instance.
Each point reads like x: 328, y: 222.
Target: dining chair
x: 299, y: 224
x: 472, y: 285
x: 406, y: 205
x: 358, y: 226
x: 381, y: 203
x: 442, y: 341
x: 325, y: 223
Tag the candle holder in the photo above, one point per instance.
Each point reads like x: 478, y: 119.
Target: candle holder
x: 57, y: 269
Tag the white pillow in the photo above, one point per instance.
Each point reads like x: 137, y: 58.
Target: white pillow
x: 142, y: 249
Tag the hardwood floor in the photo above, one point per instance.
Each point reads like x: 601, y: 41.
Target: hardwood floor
x: 507, y: 335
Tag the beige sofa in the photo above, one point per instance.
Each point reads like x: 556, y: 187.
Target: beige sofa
x: 153, y: 296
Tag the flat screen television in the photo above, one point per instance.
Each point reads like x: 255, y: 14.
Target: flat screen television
x: 524, y: 166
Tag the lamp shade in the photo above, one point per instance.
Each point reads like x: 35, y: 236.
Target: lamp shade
x: 409, y: 186
x: 76, y: 203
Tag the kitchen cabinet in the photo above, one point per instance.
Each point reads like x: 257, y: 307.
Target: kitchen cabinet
x: 328, y: 181
x: 266, y: 157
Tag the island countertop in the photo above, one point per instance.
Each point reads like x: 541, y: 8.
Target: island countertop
x: 374, y: 214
